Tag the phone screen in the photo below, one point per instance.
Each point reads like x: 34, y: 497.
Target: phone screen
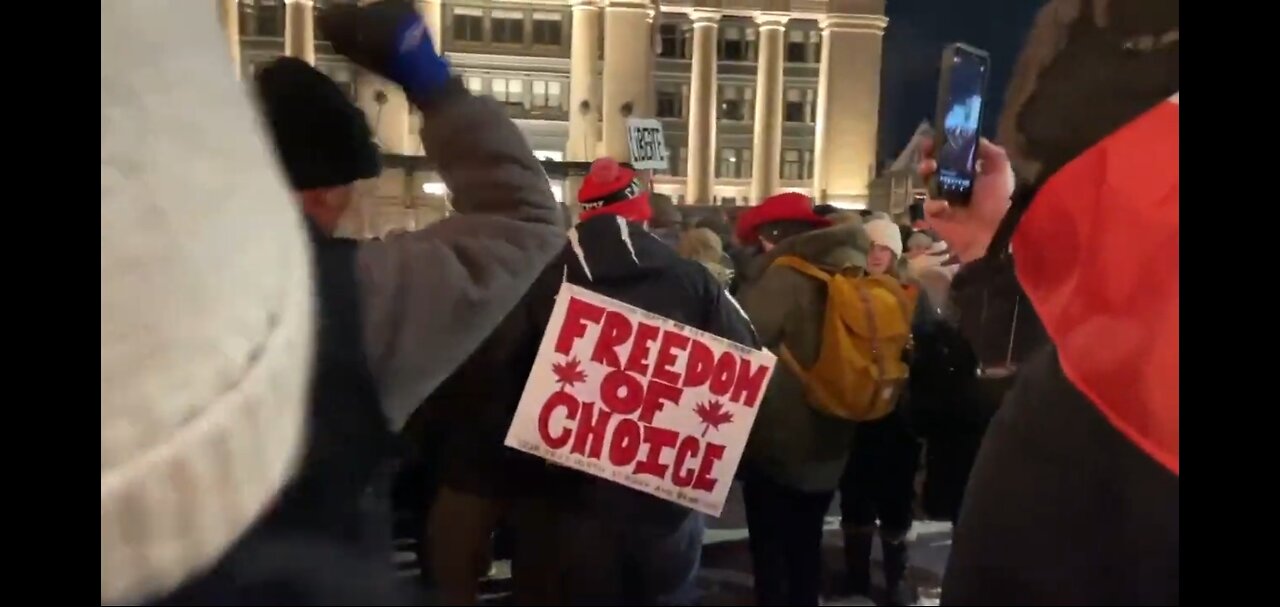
x: 964, y: 79
x: 915, y: 212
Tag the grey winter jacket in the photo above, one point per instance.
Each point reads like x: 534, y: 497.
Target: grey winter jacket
x: 791, y: 442
x: 430, y: 297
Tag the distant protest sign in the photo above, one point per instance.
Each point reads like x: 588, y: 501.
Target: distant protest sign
x: 640, y: 400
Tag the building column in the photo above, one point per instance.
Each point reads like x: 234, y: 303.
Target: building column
x: 848, y: 79
x: 584, y: 92
x: 626, y: 45
x: 387, y: 110
x: 584, y: 84
x: 386, y: 107
x: 702, y: 109
x: 766, y: 140
x: 433, y: 15
x: 229, y: 17
x: 649, y: 101
x: 299, y: 30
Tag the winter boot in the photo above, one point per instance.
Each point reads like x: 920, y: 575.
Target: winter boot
x: 898, y: 590
x: 857, y: 556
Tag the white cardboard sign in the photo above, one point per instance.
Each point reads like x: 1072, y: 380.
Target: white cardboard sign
x: 648, y: 144
x: 640, y: 400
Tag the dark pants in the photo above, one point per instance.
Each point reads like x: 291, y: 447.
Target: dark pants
x: 612, y: 560
x: 461, y: 531
x: 785, y: 527
x: 948, y: 462
x: 879, y: 481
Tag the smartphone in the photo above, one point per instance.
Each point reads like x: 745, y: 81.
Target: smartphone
x: 962, y: 87
x: 915, y: 212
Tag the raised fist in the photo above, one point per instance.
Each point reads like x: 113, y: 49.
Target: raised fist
x: 389, y: 38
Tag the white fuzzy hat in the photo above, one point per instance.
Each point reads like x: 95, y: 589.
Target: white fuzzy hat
x: 206, y: 303
x: 885, y: 233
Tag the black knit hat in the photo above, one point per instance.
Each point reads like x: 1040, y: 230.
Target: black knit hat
x: 322, y: 139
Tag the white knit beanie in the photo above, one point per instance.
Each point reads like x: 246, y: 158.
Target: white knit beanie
x: 206, y: 302
x: 886, y: 234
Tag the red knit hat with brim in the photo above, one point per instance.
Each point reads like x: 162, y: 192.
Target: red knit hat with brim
x: 613, y: 188
x: 787, y: 206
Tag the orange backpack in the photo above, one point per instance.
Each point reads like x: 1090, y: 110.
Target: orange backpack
x: 860, y: 371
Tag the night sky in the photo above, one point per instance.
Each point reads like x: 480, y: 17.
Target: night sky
x: 918, y: 29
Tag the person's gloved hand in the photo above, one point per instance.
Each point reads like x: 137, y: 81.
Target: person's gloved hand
x: 387, y: 37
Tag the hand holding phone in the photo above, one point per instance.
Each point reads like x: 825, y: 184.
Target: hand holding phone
x: 969, y: 228
x: 962, y: 86
x: 915, y: 212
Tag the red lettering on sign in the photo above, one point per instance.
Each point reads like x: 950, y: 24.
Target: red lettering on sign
x: 557, y: 400
x: 638, y: 358
x: 624, y: 445
x: 656, y: 396
x: 593, y: 424
x: 672, y: 342
x: 621, y: 392
x: 577, y: 314
x: 710, y: 455
x: 615, y: 331
x: 725, y: 372
x: 681, y: 476
x: 698, y: 368
x: 746, y: 389
x: 659, y: 440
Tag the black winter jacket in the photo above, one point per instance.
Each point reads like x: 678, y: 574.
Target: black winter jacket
x: 1090, y: 520
x: 619, y: 259
x: 348, y: 438
x: 608, y: 255
x: 269, y: 568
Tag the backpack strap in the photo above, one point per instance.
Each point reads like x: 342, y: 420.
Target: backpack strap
x: 810, y: 270
x: 801, y: 266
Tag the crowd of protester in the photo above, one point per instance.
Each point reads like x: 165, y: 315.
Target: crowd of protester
x: 264, y: 381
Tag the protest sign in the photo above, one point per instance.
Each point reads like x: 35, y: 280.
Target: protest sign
x: 648, y: 144
x: 640, y: 400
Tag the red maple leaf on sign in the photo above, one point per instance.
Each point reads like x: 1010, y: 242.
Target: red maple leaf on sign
x: 712, y: 415
x: 569, y: 373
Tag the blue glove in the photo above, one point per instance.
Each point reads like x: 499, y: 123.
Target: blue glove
x: 416, y: 66
x: 388, y: 37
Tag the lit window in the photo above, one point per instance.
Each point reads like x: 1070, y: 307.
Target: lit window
x: 735, y: 102
x: 509, y: 90
x: 546, y: 93
x: 797, y: 46
x: 468, y: 24
x: 475, y: 84
x: 728, y: 163
x: 799, y: 105
x: 793, y: 109
x: 733, y: 44
x: 548, y: 28
x: 792, y: 170
x: 263, y: 18
x: 669, y: 33
x: 734, y: 163
x: 508, y: 27
x: 668, y: 94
